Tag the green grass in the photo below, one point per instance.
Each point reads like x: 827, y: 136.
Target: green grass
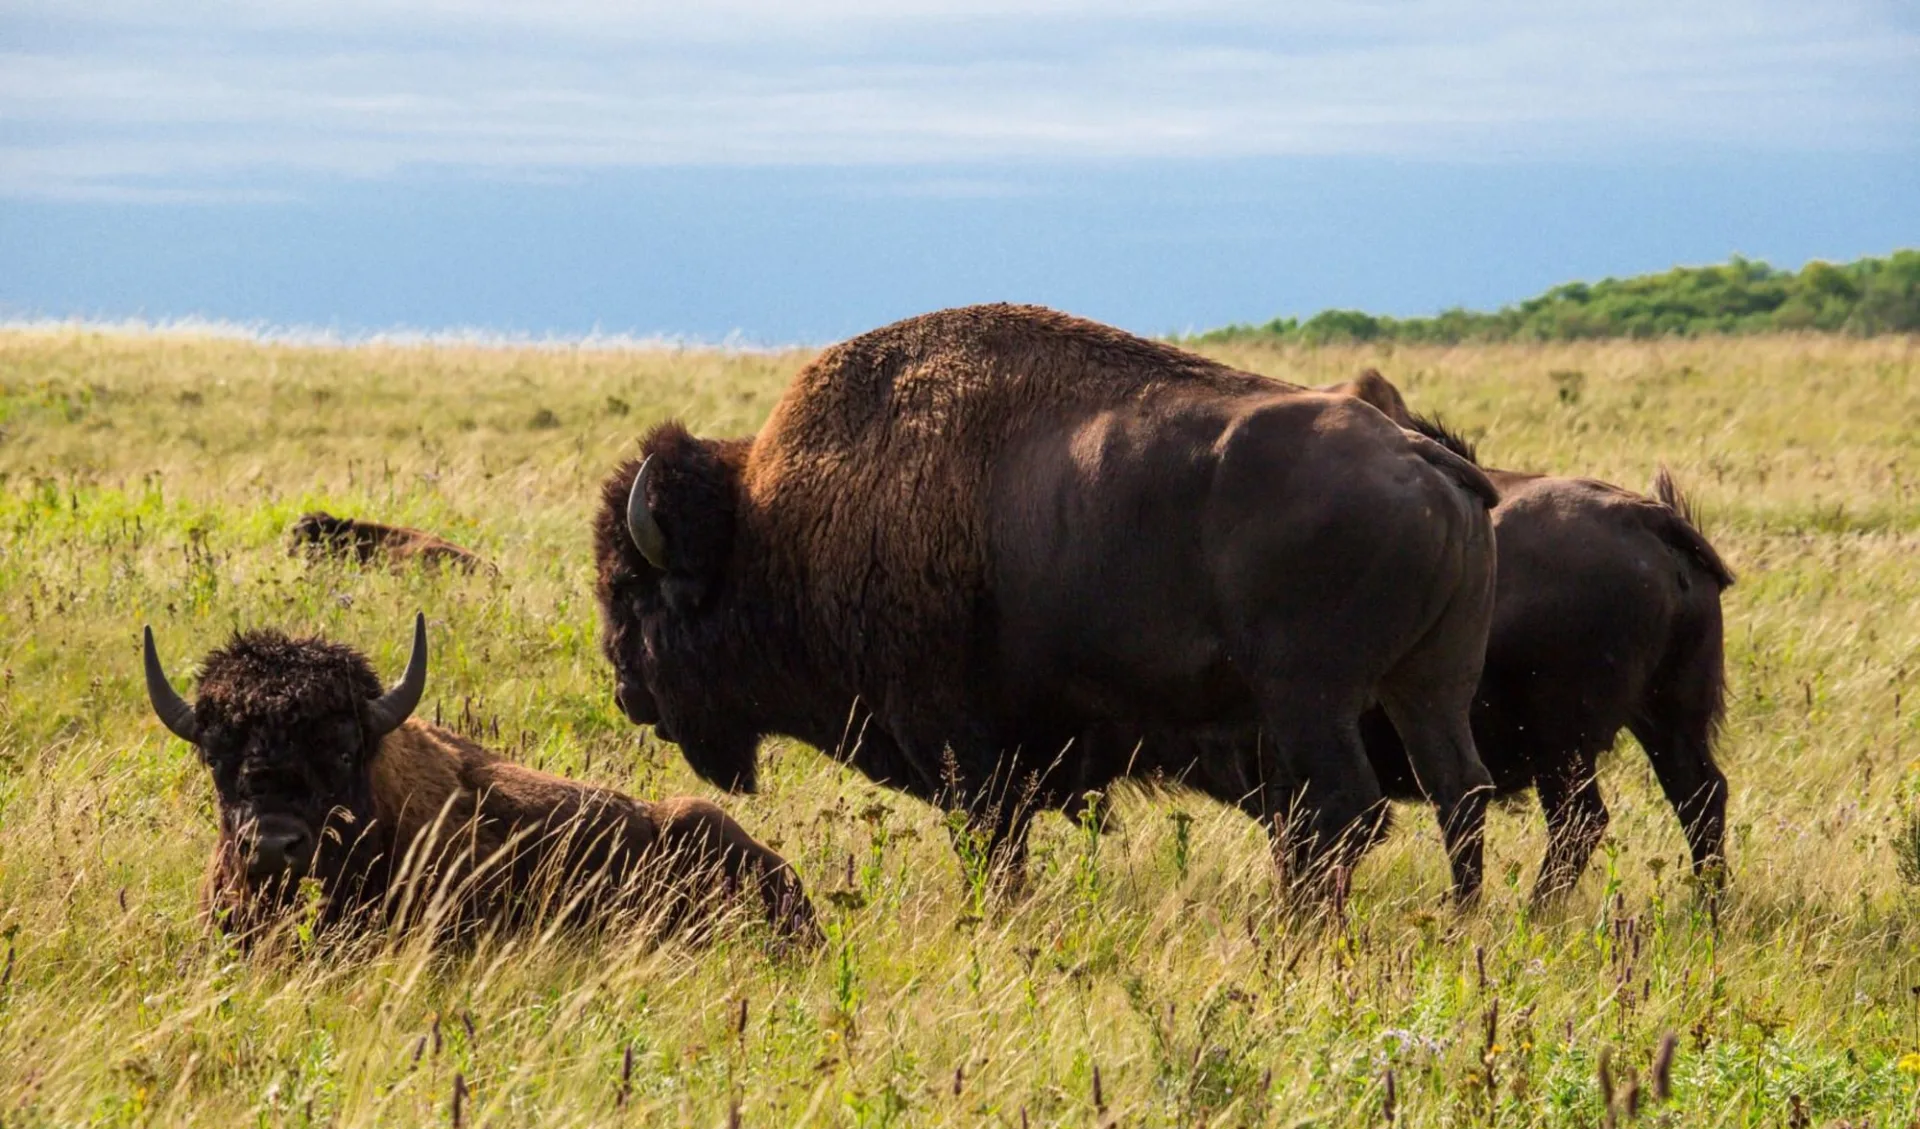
x: 150, y: 479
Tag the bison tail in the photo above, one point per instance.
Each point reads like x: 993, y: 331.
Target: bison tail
x: 1682, y: 533
x: 1436, y: 429
x: 1668, y: 491
x: 1463, y: 473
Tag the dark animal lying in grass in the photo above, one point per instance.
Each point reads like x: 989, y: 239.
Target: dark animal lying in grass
x: 1606, y: 616
x: 321, y: 775
x: 320, y: 534
x: 962, y: 539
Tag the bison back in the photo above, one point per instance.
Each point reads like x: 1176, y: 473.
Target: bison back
x: 875, y: 469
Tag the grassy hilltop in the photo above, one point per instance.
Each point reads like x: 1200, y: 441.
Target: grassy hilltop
x: 1862, y: 298
x: 150, y: 479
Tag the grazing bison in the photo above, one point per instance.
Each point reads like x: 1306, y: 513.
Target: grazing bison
x: 320, y: 774
x: 320, y: 534
x: 1607, y: 616
x: 963, y: 539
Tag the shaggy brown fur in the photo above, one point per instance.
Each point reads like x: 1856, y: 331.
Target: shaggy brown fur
x: 429, y: 827
x: 321, y: 534
x: 962, y: 537
x: 900, y: 430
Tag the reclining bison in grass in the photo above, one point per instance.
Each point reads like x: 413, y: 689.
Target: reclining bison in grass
x: 963, y: 539
x: 321, y: 775
x: 319, y: 535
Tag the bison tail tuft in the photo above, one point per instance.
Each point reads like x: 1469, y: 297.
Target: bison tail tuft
x: 1668, y: 491
x: 1682, y: 532
x: 1436, y: 429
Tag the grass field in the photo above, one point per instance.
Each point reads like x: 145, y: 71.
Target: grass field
x: 1146, y: 979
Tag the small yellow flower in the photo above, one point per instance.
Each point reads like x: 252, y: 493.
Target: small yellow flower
x: 1909, y: 1063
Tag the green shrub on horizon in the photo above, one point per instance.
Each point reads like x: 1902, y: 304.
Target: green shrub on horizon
x: 1866, y: 297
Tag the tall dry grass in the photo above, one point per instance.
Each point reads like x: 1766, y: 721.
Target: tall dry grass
x: 1147, y: 978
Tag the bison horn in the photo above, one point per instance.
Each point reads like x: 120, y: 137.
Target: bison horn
x: 173, y: 710
x: 386, y: 712
x: 640, y: 524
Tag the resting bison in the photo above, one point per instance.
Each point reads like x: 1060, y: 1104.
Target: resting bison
x: 1607, y: 616
x: 320, y: 534
x: 319, y: 774
x: 962, y: 539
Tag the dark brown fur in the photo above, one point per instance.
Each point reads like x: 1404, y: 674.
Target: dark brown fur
x: 321, y: 534
x: 961, y: 538
x: 429, y: 827
x: 1607, y: 616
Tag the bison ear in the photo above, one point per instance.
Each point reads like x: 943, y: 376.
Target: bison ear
x: 690, y: 503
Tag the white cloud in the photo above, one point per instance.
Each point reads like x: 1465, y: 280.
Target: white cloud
x: 192, y: 97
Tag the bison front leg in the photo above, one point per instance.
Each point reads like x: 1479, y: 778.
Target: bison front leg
x: 990, y: 842
x: 990, y: 803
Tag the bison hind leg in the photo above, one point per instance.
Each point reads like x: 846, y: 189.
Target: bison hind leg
x: 1314, y: 787
x: 1428, y: 700
x: 1682, y: 757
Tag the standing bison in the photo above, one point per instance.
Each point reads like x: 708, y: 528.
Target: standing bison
x: 963, y: 539
x: 1607, y: 617
x: 321, y: 775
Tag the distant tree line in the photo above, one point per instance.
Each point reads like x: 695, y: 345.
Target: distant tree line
x: 1866, y: 297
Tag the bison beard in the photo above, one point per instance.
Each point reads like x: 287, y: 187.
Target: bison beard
x: 963, y: 540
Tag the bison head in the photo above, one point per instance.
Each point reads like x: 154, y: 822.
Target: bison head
x: 317, y: 529
x: 1372, y: 388
x: 289, y: 727
x: 664, y: 543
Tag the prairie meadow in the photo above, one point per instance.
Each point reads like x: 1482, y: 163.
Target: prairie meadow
x: 1148, y: 975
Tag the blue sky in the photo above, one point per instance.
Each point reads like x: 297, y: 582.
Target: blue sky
x: 799, y: 172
